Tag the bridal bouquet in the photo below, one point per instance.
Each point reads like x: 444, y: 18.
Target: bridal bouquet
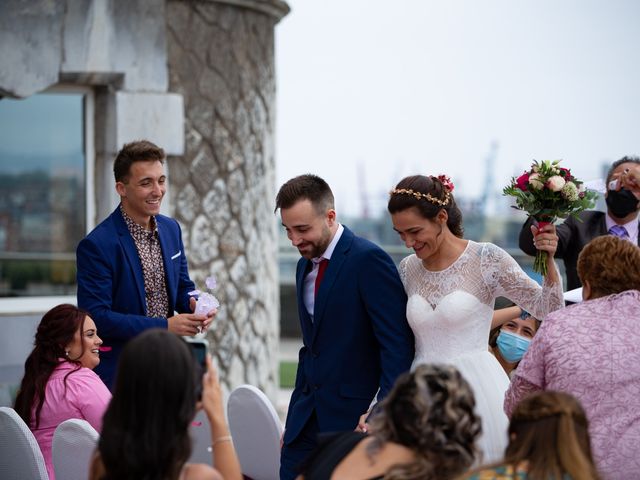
x: 548, y: 192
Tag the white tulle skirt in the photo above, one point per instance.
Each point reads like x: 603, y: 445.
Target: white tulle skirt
x: 489, y: 383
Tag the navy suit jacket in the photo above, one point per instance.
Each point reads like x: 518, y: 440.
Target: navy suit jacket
x: 111, y: 283
x: 358, y: 342
x: 573, y: 235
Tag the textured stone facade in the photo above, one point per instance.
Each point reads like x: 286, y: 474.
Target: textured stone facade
x: 221, y: 60
x: 214, y: 103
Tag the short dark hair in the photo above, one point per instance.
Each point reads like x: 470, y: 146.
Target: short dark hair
x: 305, y: 187
x: 617, y: 163
x: 138, y: 151
x: 153, y: 404
x: 422, y: 185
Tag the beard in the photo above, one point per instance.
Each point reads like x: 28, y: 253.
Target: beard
x: 317, y: 248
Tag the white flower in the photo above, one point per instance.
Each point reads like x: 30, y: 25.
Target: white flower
x: 570, y: 191
x: 535, y: 182
x: 211, y: 282
x: 556, y: 183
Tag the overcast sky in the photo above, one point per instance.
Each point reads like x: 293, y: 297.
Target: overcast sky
x: 370, y: 91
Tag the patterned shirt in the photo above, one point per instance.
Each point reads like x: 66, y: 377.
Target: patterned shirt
x: 148, y: 246
x: 590, y: 350
x: 502, y: 472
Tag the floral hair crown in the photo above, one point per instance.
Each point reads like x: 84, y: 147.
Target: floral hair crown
x: 443, y: 179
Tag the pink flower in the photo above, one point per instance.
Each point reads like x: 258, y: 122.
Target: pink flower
x: 566, y: 173
x: 522, y: 180
x: 446, y: 181
x: 555, y: 183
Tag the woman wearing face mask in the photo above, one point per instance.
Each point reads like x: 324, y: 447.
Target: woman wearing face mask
x: 620, y: 219
x: 510, y: 342
x: 590, y: 350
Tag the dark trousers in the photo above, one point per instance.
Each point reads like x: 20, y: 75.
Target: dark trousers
x: 296, y: 452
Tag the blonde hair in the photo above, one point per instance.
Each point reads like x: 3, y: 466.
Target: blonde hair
x: 550, y: 431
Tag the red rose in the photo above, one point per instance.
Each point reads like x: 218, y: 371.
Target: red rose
x: 522, y: 181
x: 566, y: 173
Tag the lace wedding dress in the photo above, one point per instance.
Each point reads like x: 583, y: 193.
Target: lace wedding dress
x: 450, y: 312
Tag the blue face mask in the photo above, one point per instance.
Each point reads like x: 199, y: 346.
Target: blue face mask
x: 512, y: 346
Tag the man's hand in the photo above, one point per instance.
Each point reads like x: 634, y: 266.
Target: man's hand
x: 210, y: 315
x: 186, y: 324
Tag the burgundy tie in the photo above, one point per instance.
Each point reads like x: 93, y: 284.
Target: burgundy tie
x: 322, y: 266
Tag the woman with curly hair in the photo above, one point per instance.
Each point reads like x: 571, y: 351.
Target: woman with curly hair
x: 59, y: 382
x: 590, y: 349
x: 548, y: 440
x: 425, y: 429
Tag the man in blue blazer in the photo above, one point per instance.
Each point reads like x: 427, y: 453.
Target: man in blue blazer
x: 355, y: 333
x: 131, y: 269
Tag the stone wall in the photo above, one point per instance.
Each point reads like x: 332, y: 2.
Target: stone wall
x: 221, y: 60
x: 197, y: 78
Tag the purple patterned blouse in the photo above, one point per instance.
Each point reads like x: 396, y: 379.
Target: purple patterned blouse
x: 592, y: 351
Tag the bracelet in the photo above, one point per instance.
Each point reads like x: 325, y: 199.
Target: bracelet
x: 226, y: 438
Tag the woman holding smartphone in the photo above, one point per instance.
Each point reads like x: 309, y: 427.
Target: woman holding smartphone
x: 145, y: 431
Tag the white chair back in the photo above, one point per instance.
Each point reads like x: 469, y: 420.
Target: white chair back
x: 256, y: 431
x: 20, y: 455
x: 74, y: 442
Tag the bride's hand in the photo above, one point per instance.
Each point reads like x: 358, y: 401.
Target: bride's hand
x: 545, y: 238
x: 362, y: 423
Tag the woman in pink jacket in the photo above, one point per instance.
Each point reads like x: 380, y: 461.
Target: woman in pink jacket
x: 59, y: 382
x: 590, y: 350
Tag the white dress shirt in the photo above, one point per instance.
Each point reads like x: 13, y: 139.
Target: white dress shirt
x: 308, y: 289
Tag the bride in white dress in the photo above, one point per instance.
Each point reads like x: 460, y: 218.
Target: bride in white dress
x: 451, y: 285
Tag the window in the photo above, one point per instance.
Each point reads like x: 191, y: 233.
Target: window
x: 44, y: 163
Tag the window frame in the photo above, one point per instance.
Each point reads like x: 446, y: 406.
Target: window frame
x: 39, y: 304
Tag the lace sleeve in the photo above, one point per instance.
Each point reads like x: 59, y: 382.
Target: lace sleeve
x: 402, y: 270
x: 504, y: 277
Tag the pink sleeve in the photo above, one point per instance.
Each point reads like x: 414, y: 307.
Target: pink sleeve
x: 519, y: 389
x: 91, y: 396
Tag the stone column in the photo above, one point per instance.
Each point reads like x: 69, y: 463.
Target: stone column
x: 221, y: 60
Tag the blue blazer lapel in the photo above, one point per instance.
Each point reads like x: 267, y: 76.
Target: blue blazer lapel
x: 129, y: 247
x: 338, y: 258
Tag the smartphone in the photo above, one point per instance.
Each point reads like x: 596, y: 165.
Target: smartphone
x: 199, y: 348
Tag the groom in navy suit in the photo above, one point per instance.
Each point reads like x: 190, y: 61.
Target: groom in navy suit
x: 132, y: 269
x: 351, y: 305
